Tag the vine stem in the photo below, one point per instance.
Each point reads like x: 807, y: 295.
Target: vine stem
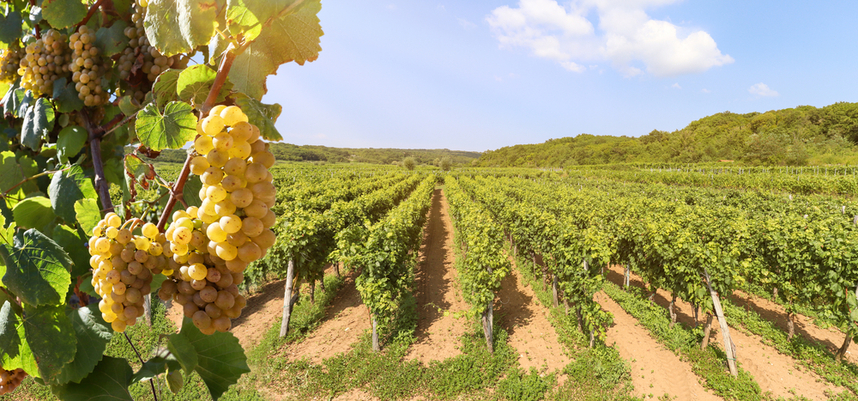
x: 90, y: 13
x: 101, y: 184
x: 220, y: 79
x: 140, y: 358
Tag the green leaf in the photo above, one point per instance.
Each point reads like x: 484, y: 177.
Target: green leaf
x: 35, y: 212
x: 158, y: 364
x: 172, y: 130
x: 70, y: 142
x: 191, y: 191
x: 92, y: 334
x: 248, y: 16
x: 293, y: 37
x: 14, y: 350
x: 12, y: 98
x: 128, y: 105
x: 261, y: 115
x: 180, y: 26
x: 88, y: 214
x: 10, y: 28
x: 63, y: 13
x: 65, y: 96
x: 108, y: 382
x: 36, y: 269
x: 10, y: 171
x: 24, y: 105
x: 180, y: 346
x: 136, y: 166
x: 75, y: 245
x: 29, y: 168
x: 164, y: 87
x: 38, y: 122
x: 195, y: 83
x: 112, y: 40
x: 220, y: 358
x: 50, y: 335
x: 68, y: 187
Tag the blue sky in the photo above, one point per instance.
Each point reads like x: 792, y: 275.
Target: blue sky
x: 479, y: 74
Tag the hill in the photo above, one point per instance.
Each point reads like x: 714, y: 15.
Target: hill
x: 798, y: 136
x: 310, y: 153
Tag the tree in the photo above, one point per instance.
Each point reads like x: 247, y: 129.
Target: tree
x: 446, y: 163
x: 409, y: 163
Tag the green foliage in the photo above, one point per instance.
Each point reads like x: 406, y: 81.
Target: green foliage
x: 408, y: 163
x: 793, y: 137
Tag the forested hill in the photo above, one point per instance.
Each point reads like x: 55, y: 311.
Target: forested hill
x: 309, y: 153
x: 803, y: 135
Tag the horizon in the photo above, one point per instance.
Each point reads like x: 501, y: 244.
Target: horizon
x: 489, y: 74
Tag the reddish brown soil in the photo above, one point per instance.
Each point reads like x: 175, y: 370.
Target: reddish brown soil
x: 831, y: 338
x: 262, y: 311
x: 530, y: 333
x: 774, y: 372
x: 345, y: 320
x: 654, y: 369
x: 439, y: 299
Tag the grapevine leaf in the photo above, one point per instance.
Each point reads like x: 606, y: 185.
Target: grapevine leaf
x: 10, y: 28
x: 180, y: 26
x: 108, y: 382
x: 128, y: 105
x: 34, y: 212
x: 171, y: 130
x: 292, y: 37
x: 158, y: 364
x: 4, y: 86
x: 180, y: 346
x: 50, y: 334
x: 14, y: 350
x: 65, y: 96
x: 11, y: 100
x: 111, y: 40
x: 261, y: 115
x: 10, y: 171
x: 220, y: 358
x: 35, y: 16
x: 69, y: 239
x: 164, y: 87
x: 36, y: 269
x: 68, y: 187
x: 136, y: 167
x: 92, y: 334
x: 88, y: 214
x: 195, y: 82
x: 70, y: 142
x: 63, y: 13
x: 191, y: 191
x: 29, y: 168
x: 38, y: 122
x: 24, y: 104
x: 248, y: 16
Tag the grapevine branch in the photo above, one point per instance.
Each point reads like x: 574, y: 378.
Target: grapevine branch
x: 101, y: 184
x: 140, y: 358
x: 91, y: 12
x: 220, y: 79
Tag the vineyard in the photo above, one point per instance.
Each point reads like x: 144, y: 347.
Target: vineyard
x: 237, y: 276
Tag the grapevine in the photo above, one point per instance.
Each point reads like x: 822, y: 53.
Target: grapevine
x: 45, y: 62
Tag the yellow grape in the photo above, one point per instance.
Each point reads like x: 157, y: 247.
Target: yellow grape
x: 150, y: 231
x: 235, y: 166
x: 269, y: 219
x: 216, y: 233
x: 232, y: 183
x: 255, y: 172
x: 249, y: 252
x: 265, y: 158
x: 256, y: 209
x: 197, y: 271
x: 199, y: 164
x: 265, y: 239
x: 216, y: 110
x: 178, y: 214
x: 257, y: 146
x: 233, y: 115
x: 254, y: 135
x: 203, y: 145
x: 241, y: 197
x: 222, y: 141
x: 224, y: 207
x: 212, y: 125
x: 217, y: 158
x: 102, y: 245
x: 178, y: 249
x: 226, y: 251
x: 241, y: 131
x: 216, y: 193
x: 240, y: 149
x: 251, y: 226
x: 212, y: 176
x: 113, y: 220
x: 230, y: 224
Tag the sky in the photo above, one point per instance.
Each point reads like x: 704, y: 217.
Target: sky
x: 483, y: 74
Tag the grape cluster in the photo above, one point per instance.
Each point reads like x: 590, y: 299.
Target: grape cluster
x: 87, y: 68
x: 45, y: 61
x: 231, y: 228
x: 10, y: 59
x: 10, y: 380
x: 123, y: 265
x: 148, y: 61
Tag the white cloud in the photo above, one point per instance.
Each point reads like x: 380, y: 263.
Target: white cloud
x: 627, y: 37
x: 704, y: 90
x: 676, y: 86
x: 762, y: 89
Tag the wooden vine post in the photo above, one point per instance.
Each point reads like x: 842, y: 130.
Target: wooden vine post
x: 725, y: 329
x: 289, y: 299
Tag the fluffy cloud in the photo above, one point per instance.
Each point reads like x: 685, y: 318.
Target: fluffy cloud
x: 626, y: 36
x: 762, y: 89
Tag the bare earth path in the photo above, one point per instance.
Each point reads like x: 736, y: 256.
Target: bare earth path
x: 530, y: 332
x: 772, y: 370
x: 438, y: 295
x: 655, y: 369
